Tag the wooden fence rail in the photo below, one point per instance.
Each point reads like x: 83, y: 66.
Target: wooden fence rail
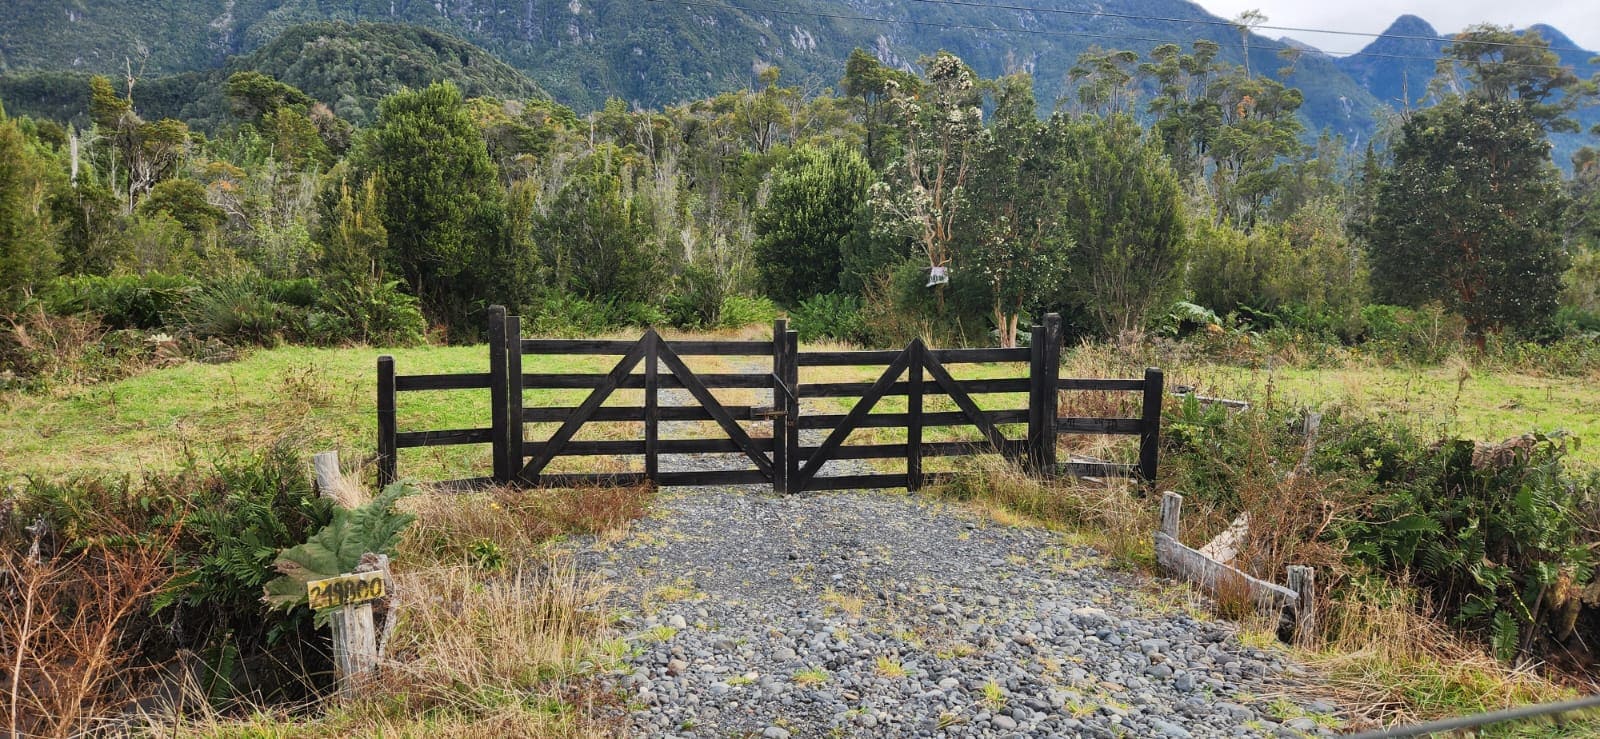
x: 652, y: 364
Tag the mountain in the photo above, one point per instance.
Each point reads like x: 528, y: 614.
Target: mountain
x: 349, y: 66
x: 654, y: 53
x: 1396, y: 67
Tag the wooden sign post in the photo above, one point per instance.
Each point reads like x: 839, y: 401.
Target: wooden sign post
x: 355, y: 640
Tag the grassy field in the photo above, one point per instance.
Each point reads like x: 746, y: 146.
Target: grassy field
x: 324, y: 398
x: 1445, y: 401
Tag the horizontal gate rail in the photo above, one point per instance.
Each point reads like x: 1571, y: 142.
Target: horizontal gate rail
x: 943, y: 356
x: 682, y: 348
x: 652, y: 363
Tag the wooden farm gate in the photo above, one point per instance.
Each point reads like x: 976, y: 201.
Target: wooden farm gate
x: 780, y: 459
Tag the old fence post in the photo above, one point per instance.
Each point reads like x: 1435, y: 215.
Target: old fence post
x: 1303, y: 581
x: 355, y: 638
x: 388, y: 465
x: 1171, y: 510
x: 326, y: 467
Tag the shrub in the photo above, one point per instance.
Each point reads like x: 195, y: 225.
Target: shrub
x: 366, y: 311
x: 830, y: 316
x: 230, y: 521
x: 739, y: 311
x: 236, y: 309
x: 148, y: 301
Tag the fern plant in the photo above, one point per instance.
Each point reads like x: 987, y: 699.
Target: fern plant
x: 337, y: 548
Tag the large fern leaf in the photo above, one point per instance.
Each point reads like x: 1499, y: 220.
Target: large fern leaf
x: 337, y: 548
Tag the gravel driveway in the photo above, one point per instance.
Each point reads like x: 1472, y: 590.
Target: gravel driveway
x: 887, y: 614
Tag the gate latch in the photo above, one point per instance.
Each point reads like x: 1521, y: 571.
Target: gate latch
x: 767, y: 412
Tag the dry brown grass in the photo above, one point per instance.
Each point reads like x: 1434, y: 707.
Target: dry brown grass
x: 1390, y: 662
x: 518, y: 522
x: 470, y: 657
x: 1108, y: 513
x: 66, y: 629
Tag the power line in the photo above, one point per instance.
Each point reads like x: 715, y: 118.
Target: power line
x: 1042, y: 32
x: 1217, y: 22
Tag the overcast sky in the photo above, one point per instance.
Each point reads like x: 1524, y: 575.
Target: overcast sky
x: 1579, y: 19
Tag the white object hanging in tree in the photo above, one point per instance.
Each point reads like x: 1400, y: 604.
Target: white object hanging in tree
x: 938, y: 276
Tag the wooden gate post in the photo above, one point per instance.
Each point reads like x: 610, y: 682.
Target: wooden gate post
x: 388, y: 444
x: 498, y: 390
x: 652, y: 406
x: 780, y: 404
x: 1150, y: 425
x: 914, y: 417
x: 513, y: 430
x: 791, y: 416
x: 1044, y: 375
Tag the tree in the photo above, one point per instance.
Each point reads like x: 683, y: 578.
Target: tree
x: 1470, y: 216
x: 921, y: 195
x: 1105, y: 81
x: 1497, y: 64
x: 800, y: 229
x: 442, y: 207
x: 871, y: 86
x: 27, y: 233
x: 597, y: 240
x: 185, y: 201
x: 1123, y: 208
x: 254, y: 96
x: 1013, y: 231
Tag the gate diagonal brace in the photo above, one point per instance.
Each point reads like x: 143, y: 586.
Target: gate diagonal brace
x: 713, y: 407
x: 584, y: 412
x: 963, y: 401
x: 861, y: 409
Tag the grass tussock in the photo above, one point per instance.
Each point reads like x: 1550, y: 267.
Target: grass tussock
x: 507, y: 656
x: 1391, y: 663
x: 1110, y: 513
x: 512, y: 524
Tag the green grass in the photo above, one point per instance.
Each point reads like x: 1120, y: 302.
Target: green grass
x: 1440, y: 400
x: 319, y: 398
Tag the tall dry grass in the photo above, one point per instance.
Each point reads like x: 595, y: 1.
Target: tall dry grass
x: 69, y: 628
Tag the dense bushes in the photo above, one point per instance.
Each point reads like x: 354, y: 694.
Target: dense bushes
x: 1500, y: 537
x: 218, y: 527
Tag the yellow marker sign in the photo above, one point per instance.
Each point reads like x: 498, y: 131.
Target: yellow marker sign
x: 345, y: 590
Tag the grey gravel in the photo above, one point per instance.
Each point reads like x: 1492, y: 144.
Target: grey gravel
x: 887, y: 614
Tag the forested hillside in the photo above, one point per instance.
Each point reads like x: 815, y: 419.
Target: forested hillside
x: 350, y: 67
x: 656, y: 53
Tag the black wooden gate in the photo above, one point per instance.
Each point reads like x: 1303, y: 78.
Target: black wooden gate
x: 780, y: 459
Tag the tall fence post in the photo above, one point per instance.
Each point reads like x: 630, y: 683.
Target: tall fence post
x: 1050, y: 393
x: 498, y: 390
x: 652, y: 406
x: 780, y: 406
x: 914, y: 419
x: 1036, y: 400
x: 513, y: 431
x: 1150, y: 425
x: 791, y: 416
x: 388, y: 468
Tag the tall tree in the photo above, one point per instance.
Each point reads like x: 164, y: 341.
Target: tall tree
x: 1123, y: 207
x: 1014, y: 231
x: 922, y: 193
x: 443, y: 207
x: 27, y: 233
x: 801, y: 227
x: 1470, y: 215
x: 1497, y: 64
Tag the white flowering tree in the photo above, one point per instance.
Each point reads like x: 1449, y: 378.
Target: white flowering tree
x: 921, y: 195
